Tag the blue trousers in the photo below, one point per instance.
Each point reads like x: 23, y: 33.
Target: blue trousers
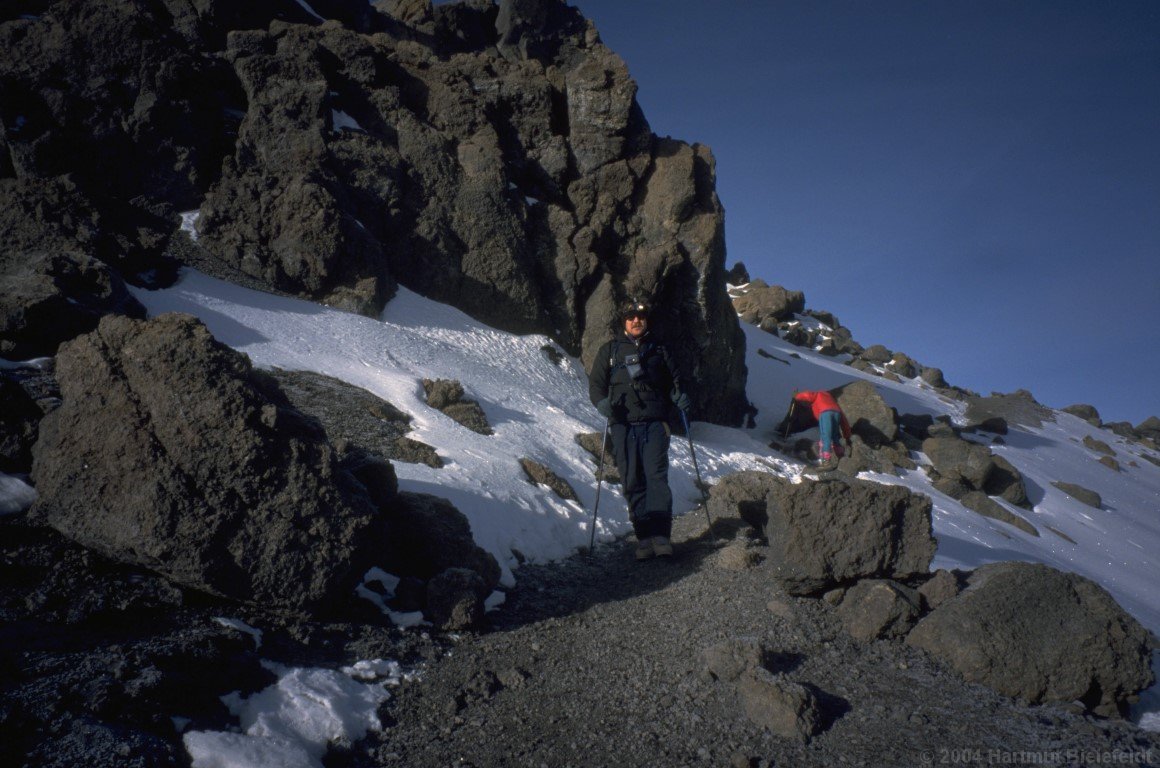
x: 829, y: 425
x: 642, y: 456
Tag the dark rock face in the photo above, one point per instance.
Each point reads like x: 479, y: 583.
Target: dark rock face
x: 1086, y: 412
x: 980, y: 502
x: 354, y: 416
x: 960, y: 459
x: 171, y: 453
x: 19, y: 419
x: 1004, y: 631
x: 491, y: 157
x: 868, y: 414
x: 765, y: 305
x: 429, y: 535
x: 824, y: 534
x: 538, y: 474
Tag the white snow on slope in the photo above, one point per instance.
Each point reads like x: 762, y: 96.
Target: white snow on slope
x: 537, y: 408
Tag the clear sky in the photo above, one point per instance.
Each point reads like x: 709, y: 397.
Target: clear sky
x: 975, y: 183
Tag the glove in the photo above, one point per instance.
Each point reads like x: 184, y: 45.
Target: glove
x: 605, y: 408
x: 682, y: 403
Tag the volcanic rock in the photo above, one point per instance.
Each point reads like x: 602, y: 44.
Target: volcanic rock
x: 1004, y: 631
x: 868, y: 414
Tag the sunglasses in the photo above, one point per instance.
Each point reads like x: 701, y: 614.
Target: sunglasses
x: 636, y: 315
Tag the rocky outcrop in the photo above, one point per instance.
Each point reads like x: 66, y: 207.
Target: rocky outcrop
x: 171, y: 453
x: 869, y: 415
x: 743, y: 495
x: 491, y: 157
x: 448, y: 396
x: 766, y: 305
x: 824, y: 534
x: 1004, y: 631
x: 1079, y: 493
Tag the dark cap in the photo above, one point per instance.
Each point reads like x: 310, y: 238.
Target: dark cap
x: 635, y: 307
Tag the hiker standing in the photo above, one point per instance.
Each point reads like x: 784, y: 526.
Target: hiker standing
x: 635, y: 385
x: 831, y: 421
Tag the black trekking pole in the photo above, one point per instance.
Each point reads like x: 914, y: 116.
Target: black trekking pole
x: 789, y: 419
x: 599, y: 482
x: 700, y: 483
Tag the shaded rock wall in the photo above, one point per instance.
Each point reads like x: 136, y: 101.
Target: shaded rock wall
x: 490, y: 156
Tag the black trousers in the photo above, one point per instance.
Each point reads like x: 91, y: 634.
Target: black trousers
x: 642, y: 456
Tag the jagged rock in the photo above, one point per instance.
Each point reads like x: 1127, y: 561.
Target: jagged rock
x: 739, y: 556
x: 823, y: 534
x: 980, y: 502
x: 455, y: 599
x: 1099, y: 446
x: 1007, y: 482
x: 917, y: 425
x: 353, y: 415
x: 1004, y: 631
x: 429, y: 535
x: 934, y: 377
x: 879, y: 608
x: 868, y: 414
x: 952, y: 486
x: 48, y: 298
x: 729, y: 660
x: 878, y: 354
x: 170, y: 452
x: 743, y: 495
x: 447, y: 395
x: 903, y: 366
x: 762, y: 303
x: 953, y: 457
x: 787, y: 709
x: 1084, y: 411
x: 541, y: 475
x: 1079, y: 493
x: 1110, y: 463
x: 939, y: 588
x: 842, y: 342
x: 19, y: 419
x: 737, y: 275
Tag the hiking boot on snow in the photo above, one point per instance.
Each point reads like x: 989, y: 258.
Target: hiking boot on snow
x: 644, y: 549
x: 662, y: 547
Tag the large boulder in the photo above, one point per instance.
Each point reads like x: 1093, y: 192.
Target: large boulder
x: 743, y: 495
x: 830, y: 533
x: 50, y: 297
x: 170, y: 452
x: 960, y: 459
x: 765, y: 305
x: 19, y: 419
x: 1033, y: 632
x: 868, y: 414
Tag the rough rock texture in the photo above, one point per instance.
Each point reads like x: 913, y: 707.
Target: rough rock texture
x: 1005, y: 631
x: 822, y: 534
x: 171, y: 453
x: 1019, y: 407
x: 766, y: 305
x: 961, y: 459
x: 491, y: 157
x: 868, y: 414
x: 743, y: 495
x: 356, y: 416
x: 19, y: 419
x: 940, y: 587
x: 448, y: 396
x: 540, y: 475
x: 787, y: 709
x: 47, y: 298
x: 455, y: 599
x: 429, y: 535
x: 590, y: 441
x: 1099, y: 446
x: 1006, y: 481
x: 878, y: 608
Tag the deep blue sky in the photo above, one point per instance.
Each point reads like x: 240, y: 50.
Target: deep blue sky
x: 974, y: 183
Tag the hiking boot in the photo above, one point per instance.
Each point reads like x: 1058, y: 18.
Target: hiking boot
x: 644, y: 549
x: 662, y: 547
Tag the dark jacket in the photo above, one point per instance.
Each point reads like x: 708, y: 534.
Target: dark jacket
x: 648, y: 397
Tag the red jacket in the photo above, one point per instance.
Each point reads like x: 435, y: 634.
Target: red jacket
x: 819, y: 403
